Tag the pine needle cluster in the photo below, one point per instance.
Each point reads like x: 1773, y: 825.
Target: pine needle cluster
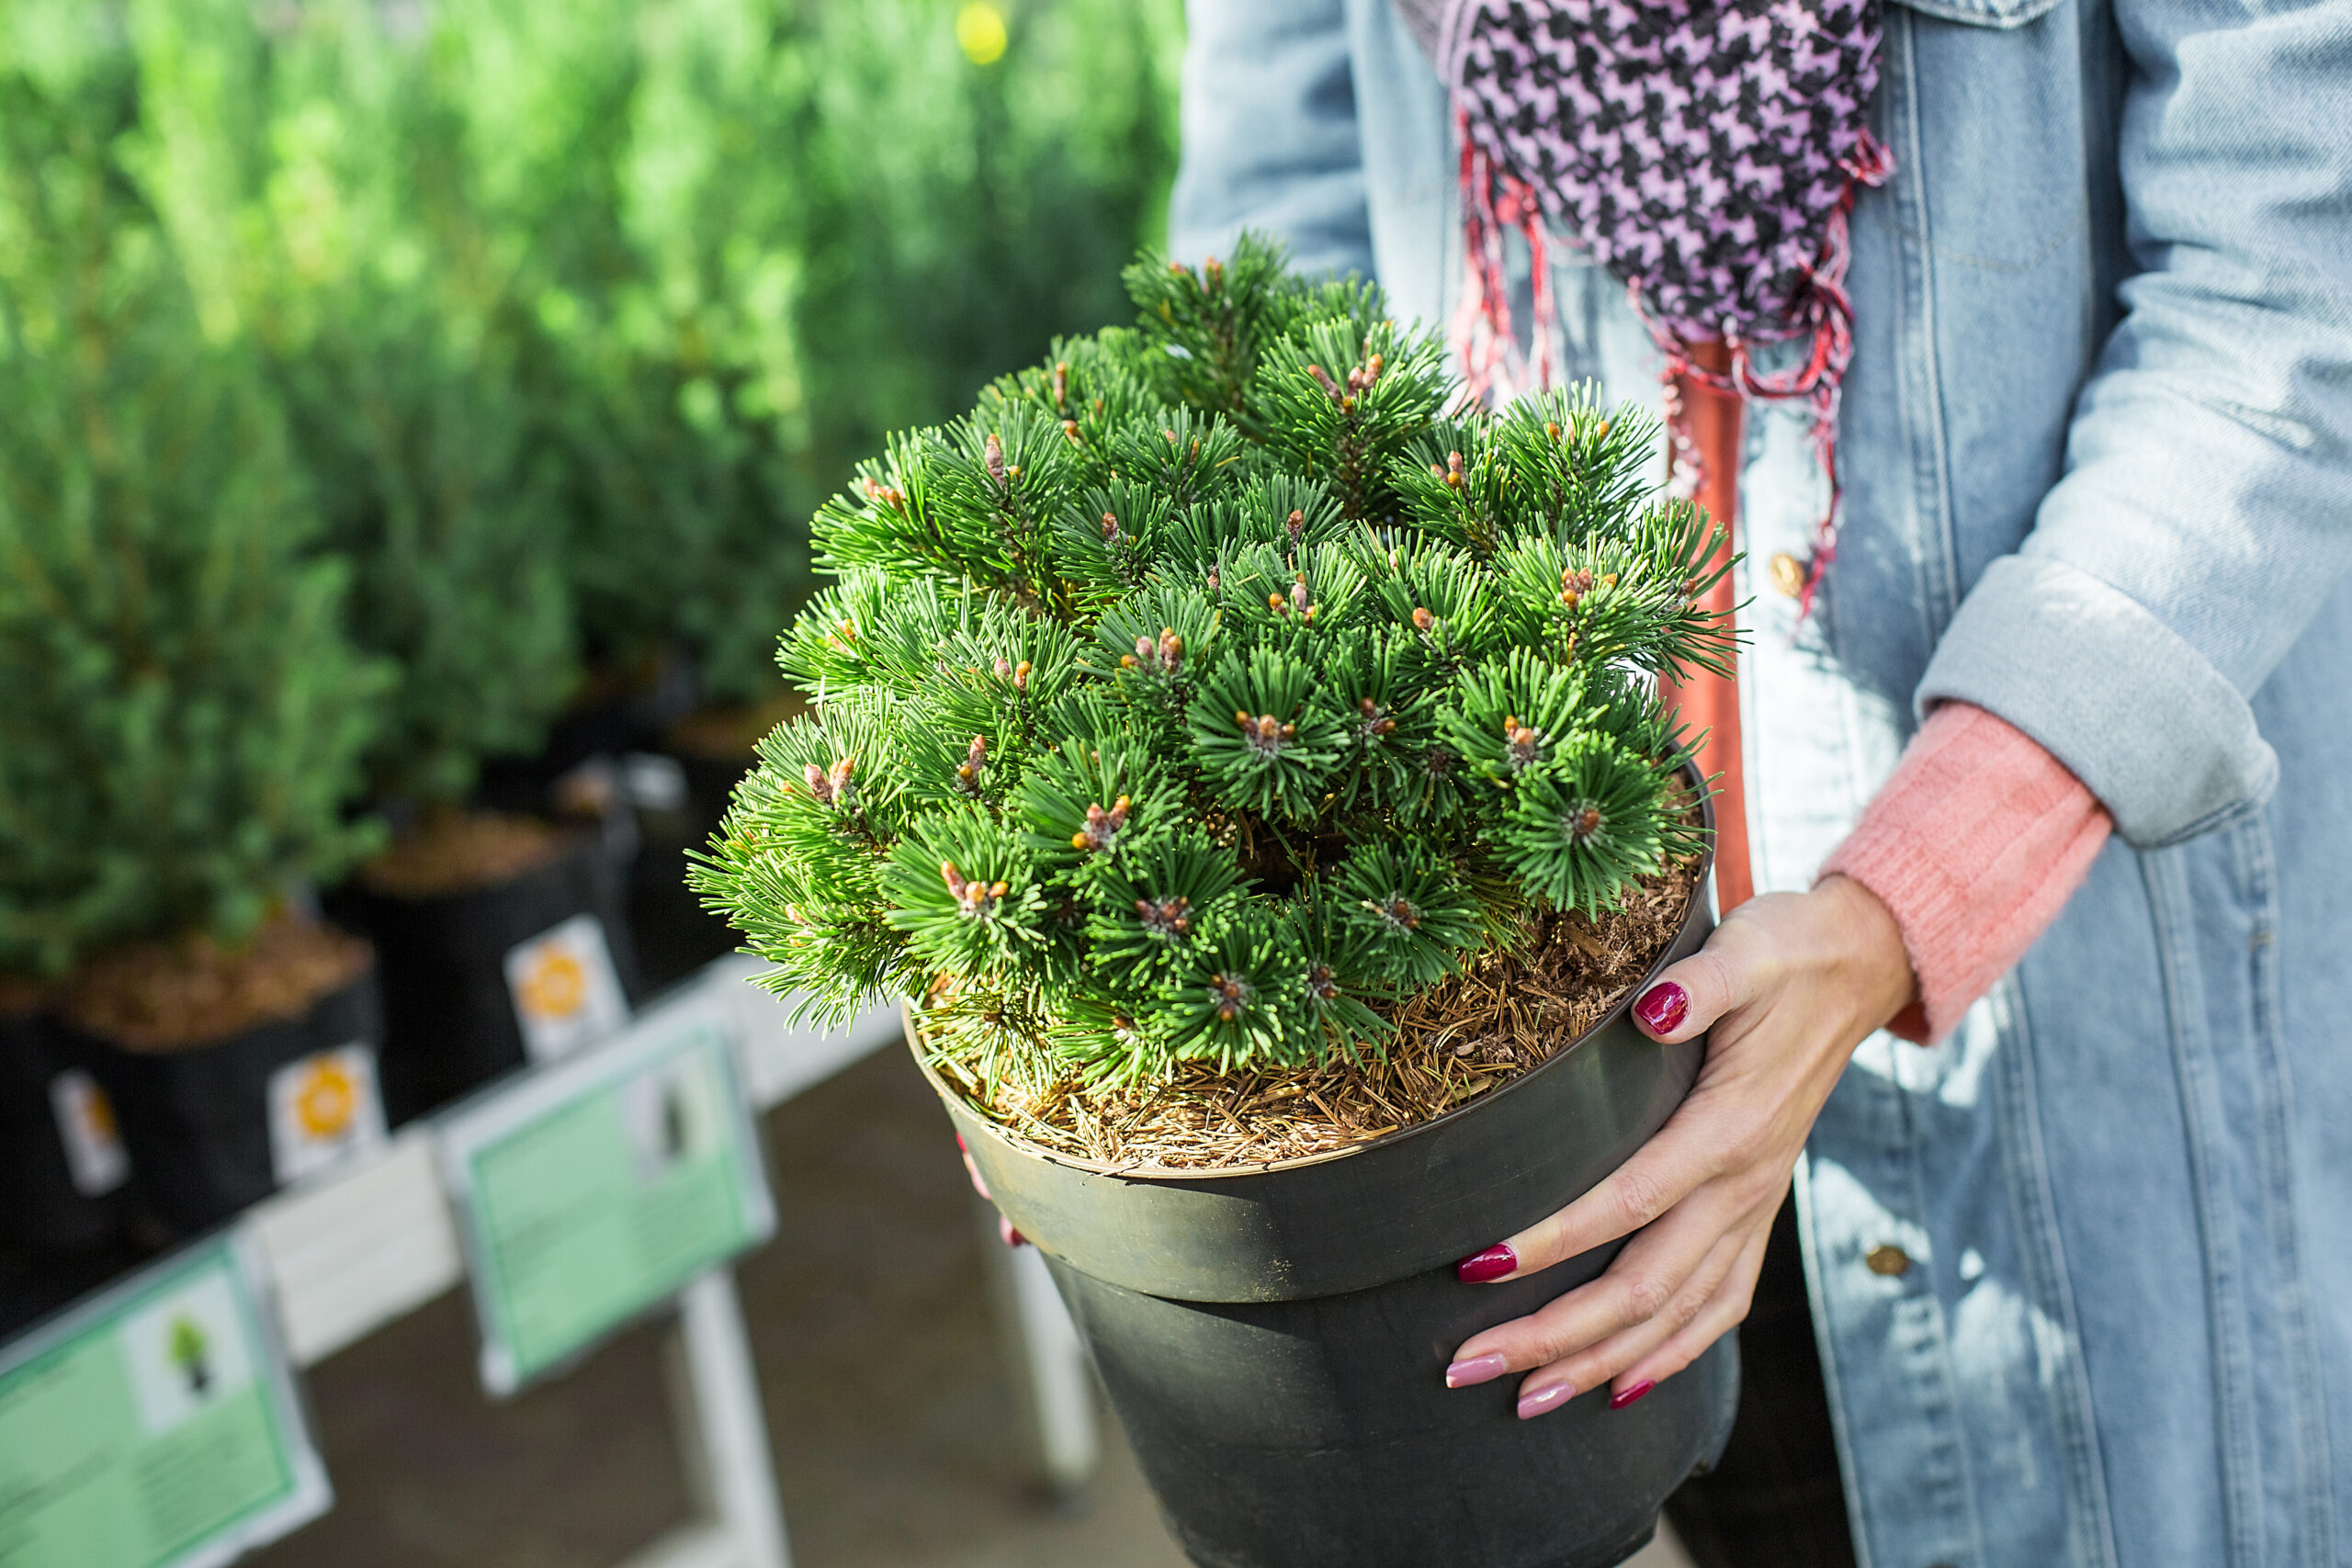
x: 1214, y: 682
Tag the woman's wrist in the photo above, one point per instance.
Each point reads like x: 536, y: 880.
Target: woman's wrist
x: 1869, y: 952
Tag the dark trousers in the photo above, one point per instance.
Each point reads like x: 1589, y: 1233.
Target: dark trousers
x: 1774, y: 1501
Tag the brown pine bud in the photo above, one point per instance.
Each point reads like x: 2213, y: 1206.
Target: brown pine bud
x: 1061, y: 389
x: 1423, y: 620
x: 993, y: 455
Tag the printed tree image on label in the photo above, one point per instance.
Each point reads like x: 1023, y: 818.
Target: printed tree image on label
x: 323, y: 1109
x: 95, y: 1156
x: 565, y: 991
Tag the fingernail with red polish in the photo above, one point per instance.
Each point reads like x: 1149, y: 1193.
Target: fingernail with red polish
x: 1492, y: 1264
x: 1012, y: 1237
x: 1626, y: 1396
x: 1544, y: 1399
x: 1477, y: 1369
x: 1663, y: 1007
x: 961, y: 1145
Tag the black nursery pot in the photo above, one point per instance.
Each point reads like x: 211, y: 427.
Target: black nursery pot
x: 195, y: 1122
x: 449, y: 1019
x: 42, y: 1208
x: 1275, y: 1342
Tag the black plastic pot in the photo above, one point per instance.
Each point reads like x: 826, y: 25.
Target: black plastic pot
x: 197, y: 1121
x: 450, y: 1020
x: 1275, y: 1342
x: 42, y: 1209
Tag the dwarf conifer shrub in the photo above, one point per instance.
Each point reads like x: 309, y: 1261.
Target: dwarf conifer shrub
x: 181, y: 715
x: 1215, y: 682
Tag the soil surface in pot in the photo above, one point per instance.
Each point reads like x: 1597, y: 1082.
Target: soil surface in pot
x: 190, y: 992
x: 457, y: 851
x: 1456, y: 1040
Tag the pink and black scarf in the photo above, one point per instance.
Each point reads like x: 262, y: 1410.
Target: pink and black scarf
x: 1705, y: 152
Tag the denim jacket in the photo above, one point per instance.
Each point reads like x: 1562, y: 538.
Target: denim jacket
x: 2096, y: 446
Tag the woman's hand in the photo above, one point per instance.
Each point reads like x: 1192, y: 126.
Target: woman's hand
x: 1791, y: 984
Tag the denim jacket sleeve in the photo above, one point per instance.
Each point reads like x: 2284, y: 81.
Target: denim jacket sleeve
x: 1269, y: 134
x: 2205, y: 515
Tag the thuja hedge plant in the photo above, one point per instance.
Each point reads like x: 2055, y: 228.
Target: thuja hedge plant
x: 1214, y: 683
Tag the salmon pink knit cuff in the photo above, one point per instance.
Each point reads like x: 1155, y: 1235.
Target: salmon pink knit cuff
x: 1974, y: 845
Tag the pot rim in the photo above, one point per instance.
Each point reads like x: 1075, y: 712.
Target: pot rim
x: 1701, y: 888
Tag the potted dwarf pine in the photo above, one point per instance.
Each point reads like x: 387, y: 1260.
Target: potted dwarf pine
x: 1247, y: 758
x: 184, y: 718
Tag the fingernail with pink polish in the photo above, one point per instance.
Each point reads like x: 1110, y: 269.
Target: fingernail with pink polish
x: 1492, y: 1264
x: 1626, y: 1396
x: 1544, y: 1399
x: 1477, y: 1369
x: 1663, y: 1007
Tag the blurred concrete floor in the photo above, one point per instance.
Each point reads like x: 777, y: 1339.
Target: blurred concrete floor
x: 888, y: 1410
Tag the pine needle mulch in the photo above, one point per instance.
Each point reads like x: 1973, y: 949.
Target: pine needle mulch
x: 1459, y: 1038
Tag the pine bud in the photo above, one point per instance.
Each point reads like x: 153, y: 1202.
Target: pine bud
x: 1213, y: 270
x: 1266, y: 735
x: 1396, y: 913
x: 1454, y: 471
x: 1422, y: 620
x: 814, y: 776
x: 1110, y: 529
x: 1231, y: 995
x: 1299, y: 594
x: 1103, y: 826
x: 995, y: 460
x: 1330, y: 388
x: 1552, y: 430
x: 1166, y: 920
x: 1585, y: 823
x: 1321, y: 983
x: 1061, y: 391
x: 1296, y: 523
x: 976, y: 899
x: 1070, y: 433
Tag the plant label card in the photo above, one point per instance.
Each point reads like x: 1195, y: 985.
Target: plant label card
x: 323, y: 1109
x: 155, y: 1426
x: 566, y: 992
x: 95, y: 1157
x: 594, y: 1189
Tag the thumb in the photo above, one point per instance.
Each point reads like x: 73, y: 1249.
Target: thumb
x: 1690, y: 996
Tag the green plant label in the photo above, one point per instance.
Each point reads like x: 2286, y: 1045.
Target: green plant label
x: 594, y: 1188
x: 154, y: 1428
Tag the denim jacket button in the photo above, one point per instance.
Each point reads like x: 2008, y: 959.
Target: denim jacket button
x: 1888, y: 1260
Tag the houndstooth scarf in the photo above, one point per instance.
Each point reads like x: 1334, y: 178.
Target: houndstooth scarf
x: 1705, y: 152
